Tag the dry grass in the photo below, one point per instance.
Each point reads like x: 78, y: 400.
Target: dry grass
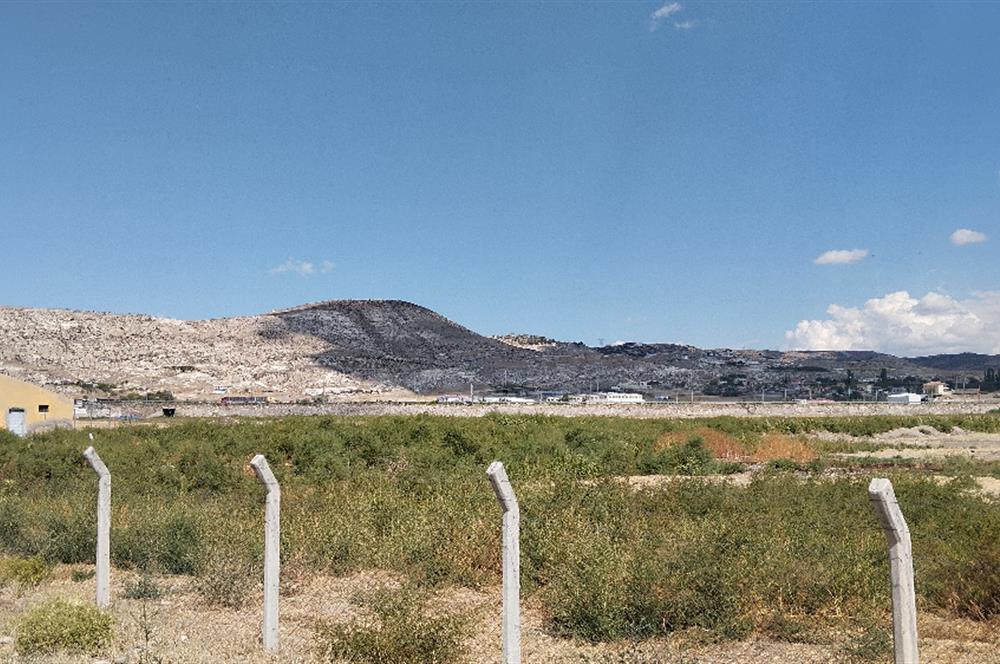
x: 781, y: 446
x: 719, y: 443
x: 185, y: 629
x: 729, y: 448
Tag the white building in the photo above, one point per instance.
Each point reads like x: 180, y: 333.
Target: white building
x: 905, y: 398
x: 616, y: 397
x: 936, y: 388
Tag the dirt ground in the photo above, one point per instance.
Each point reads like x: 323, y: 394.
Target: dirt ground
x: 928, y: 444
x: 670, y: 409
x: 186, y: 630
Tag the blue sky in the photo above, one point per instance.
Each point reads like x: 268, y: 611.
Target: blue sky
x: 617, y: 171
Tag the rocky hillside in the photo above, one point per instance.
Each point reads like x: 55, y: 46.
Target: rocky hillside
x: 368, y: 348
x: 253, y: 354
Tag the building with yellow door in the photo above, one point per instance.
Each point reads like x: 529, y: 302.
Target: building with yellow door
x: 26, y: 408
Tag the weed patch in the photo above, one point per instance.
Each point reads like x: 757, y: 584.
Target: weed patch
x: 399, y: 628
x: 25, y: 572
x: 143, y: 587
x: 62, y: 626
x: 604, y: 560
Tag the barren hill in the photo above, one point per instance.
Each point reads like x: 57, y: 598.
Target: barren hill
x: 269, y: 353
x: 363, y: 347
x: 368, y: 348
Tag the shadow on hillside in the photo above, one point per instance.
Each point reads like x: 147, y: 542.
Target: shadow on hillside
x: 396, y: 343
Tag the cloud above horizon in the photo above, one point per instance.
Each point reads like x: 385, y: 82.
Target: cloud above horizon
x: 964, y: 236
x: 840, y: 256
x: 302, y: 268
x: 665, y: 12
x: 903, y: 325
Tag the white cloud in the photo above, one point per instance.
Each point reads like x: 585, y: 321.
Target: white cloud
x: 964, y: 236
x: 840, y: 256
x: 903, y: 325
x: 666, y: 10
x: 302, y: 268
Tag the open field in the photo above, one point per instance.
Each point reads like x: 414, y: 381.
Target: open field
x: 670, y: 410
x: 736, y: 539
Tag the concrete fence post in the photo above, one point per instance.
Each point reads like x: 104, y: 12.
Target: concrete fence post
x: 103, y: 559
x: 904, y: 605
x: 511, y: 562
x: 272, y: 550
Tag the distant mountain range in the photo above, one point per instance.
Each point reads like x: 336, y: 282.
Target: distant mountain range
x: 362, y: 348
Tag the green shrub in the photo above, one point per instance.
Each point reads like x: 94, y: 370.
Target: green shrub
x: 204, y: 472
x: 970, y: 586
x: 59, y: 625
x: 691, y: 458
x: 181, y: 545
x: 225, y: 577
x: 169, y: 542
x: 604, y: 559
x: 135, y: 546
x: 69, y: 533
x: 400, y: 628
x: 603, y: 597
x: 633, y: 590
x: 872, y: 644
x: 781, y: 626
x: 81, y: 575
x: 955, y: 553
x: 25, y: 572
x: 142, y: 587
x: 782, y: 465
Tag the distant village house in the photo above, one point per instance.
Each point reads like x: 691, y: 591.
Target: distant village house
x: 26, y: 408
x: 936, y: 388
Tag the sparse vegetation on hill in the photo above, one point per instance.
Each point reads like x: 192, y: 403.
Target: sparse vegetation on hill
x: 388, y: 347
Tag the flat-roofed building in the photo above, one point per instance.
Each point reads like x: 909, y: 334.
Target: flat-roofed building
x: 936, y: 388
x: 905, y: 398
x: 25, y: 408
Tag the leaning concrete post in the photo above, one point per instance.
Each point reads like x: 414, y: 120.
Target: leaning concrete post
x: 511, y: 562
x: 904, y: 605
x: 103, y: 572
x: 272, y: 550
